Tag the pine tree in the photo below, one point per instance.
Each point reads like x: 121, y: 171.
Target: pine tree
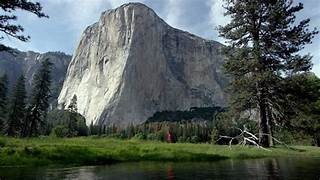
x: 37, y: 110
x: 73, y: 107
x: 91, y: 128
x: 72, y: 122
x: 264, y: 44
x: 3, y: 101
x: 17, y: 108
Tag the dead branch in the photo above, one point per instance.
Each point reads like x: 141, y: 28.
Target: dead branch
x: 243, y: 138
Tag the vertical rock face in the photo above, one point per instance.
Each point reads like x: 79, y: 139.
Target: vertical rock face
x: 132, y: 64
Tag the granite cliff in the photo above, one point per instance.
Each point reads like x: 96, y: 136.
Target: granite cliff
x: 131, y: 64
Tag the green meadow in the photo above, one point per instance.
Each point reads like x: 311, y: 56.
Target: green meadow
x: 45, y: 151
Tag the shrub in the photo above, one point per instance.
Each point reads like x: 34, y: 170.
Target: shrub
x: 139, y: 136
x: 181, y: 139
x: 194, y: 139
x: 214, y: 136
x: 74, y: 121
x: 3, y: 142
x: 115, y: 135
x: 291, y: 137
x: 32, y: 150
x: 60, y: 131
x: 153, y: 137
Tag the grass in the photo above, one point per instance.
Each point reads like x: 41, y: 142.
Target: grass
x: 95, y: 151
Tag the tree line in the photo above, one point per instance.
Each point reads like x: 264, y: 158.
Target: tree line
x: 303, y: 126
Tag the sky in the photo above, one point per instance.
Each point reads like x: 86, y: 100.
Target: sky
x: 68, y: 19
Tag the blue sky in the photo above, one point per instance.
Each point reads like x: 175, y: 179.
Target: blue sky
x: 68, y: 18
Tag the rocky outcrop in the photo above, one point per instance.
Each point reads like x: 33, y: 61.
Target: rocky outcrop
x: 27, y: 63
x: 132, y: 64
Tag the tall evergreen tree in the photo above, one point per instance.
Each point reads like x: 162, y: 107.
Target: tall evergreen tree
x: 37, y: 110
x: 3, y: 101
x: 264, y: 40
x: 17, y: 108
x: 73, y: 104
x: 72, y: 122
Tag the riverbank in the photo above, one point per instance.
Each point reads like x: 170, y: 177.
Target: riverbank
x: 96, y: 151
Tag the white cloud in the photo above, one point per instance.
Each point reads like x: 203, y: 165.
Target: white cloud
x: 217, y: 17
x: 173, y: 12
x: 80, y: 13
x: 316, y: 61
x: 316, y: 69
x: 217, y: 13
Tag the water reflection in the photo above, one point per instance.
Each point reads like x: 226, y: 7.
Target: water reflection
x: 170, y: 174
x: 284, y: 168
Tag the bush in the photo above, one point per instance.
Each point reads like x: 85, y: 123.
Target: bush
x: 195, y: 139
x: 139, y: 136
x: 115, y: 135
x: 181, y: 139
x: 72, y: 120
x: 291, y: 137
x: 59, y: 131
x: 153, y: 137
x: 32, y: 150
x: 3, y: 142
x: 214, y: 136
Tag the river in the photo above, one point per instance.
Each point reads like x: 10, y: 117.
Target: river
x: 279, y: 168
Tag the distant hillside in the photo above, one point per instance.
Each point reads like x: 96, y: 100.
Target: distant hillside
x: 14, y: 64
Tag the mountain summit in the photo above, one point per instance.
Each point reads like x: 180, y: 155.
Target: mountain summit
x: 132, y: 64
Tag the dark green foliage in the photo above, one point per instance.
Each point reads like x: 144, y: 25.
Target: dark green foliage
x: 66, y: 123
x: 304, y: 116
x: 94, y: 129
x: 75, y: 120
x: 73, y: 105
x: 264, y: 41
x: 139, y: 136
x: 184, y: 131
x: 13, y: 30
x: 3, y: 101
x: 37, y: 110
x: 206, y: 113
x: 3, y: 143
x: 60, y: 131
x: 17, y: 108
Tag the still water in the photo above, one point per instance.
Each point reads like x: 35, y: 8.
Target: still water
x: 283, y: 168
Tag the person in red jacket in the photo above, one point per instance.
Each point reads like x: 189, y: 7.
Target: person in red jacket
x: 169, y: 137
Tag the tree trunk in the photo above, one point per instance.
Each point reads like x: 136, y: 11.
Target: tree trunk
x: 25, y: 128
x: 317, y: 140
x: 263, y: 126
x: 270, y: 127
